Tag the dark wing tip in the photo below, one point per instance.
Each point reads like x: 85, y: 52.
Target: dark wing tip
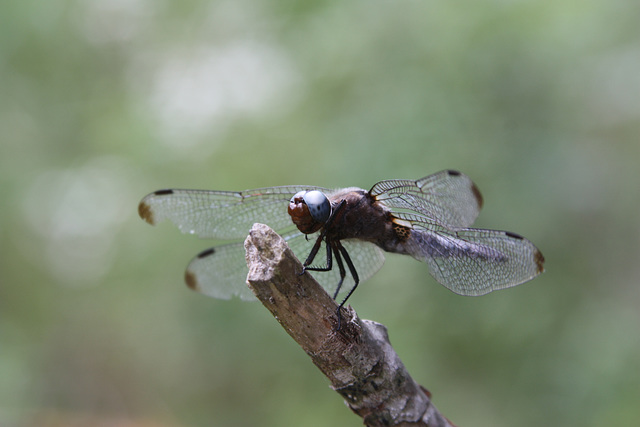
x: 539, y: 260
x: 191, y: 281
x: 477, y: 195
x: 144, y: 210
x: 190, y: 278
x: 474, y: 189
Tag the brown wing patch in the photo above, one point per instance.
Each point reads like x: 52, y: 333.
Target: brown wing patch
x: 539, y: 260
x: 191, y: 281
x: 477, y: 195
x: 144, y: 210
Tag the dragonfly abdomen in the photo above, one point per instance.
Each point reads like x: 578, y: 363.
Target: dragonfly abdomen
x: 423, y: 244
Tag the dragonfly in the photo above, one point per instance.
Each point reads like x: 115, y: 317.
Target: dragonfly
x: 429, y: 219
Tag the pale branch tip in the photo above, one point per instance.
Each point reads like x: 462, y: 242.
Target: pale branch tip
x: 358, y: 359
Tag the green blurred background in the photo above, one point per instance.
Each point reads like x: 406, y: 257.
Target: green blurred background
x: 102, y: 102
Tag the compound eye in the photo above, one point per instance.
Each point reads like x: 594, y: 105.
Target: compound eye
x: 318, y: 204
x: 299, y: 196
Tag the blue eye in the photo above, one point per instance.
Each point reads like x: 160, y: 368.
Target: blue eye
x: 319, y: 205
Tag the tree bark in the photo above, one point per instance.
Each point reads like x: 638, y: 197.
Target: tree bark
x: 358, y: 359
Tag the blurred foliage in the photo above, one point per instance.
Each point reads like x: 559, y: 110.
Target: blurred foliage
x: 104, y: 101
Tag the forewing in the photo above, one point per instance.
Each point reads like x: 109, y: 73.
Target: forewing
x: 475, y: 261
x: 448, y: 197
x: 223, y: 215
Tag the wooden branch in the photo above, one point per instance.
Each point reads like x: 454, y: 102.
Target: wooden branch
x: 358, y: 359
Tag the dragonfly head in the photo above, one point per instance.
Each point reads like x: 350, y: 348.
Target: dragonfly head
x: 309, y: 210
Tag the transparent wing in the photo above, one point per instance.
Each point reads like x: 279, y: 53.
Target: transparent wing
x: 472, y: 261
x: 448, y: 197
x: 223, y: 215
x: 221, y: 272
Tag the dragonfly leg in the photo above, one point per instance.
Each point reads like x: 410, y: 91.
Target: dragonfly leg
x: 321, y: 237
x: 352, y: 269
x: 343, y: 273
x: 312, y: 254
x: 328, y: 266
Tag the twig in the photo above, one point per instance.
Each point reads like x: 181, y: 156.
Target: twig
x: 358, y: 359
